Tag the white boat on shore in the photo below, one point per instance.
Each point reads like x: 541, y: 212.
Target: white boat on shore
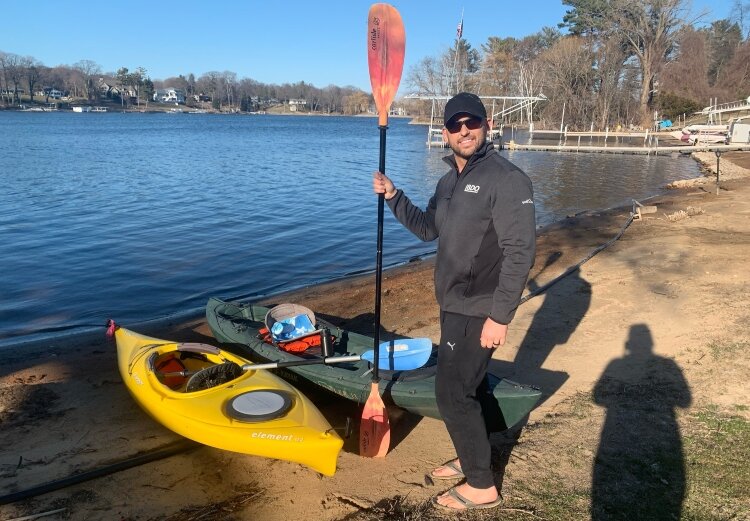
x: 99, y: 109
x: 82, y: 109
x: 694, y: 134
x: 739, y: 131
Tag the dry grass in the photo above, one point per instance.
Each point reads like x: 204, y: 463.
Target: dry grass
x: 679, y: 215
x: 222, y: 511
x: 712, y: 466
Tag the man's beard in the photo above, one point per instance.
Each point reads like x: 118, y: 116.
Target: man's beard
x: 466, y: 154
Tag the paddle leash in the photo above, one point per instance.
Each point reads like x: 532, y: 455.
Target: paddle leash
x: 385, y: 58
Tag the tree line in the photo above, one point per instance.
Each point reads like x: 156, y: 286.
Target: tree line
x: 82, y: 80
x: 620, y: 62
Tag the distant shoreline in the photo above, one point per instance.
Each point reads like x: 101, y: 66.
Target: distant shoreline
x: 188, y: 110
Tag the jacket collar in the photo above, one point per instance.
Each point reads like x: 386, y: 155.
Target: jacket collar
x: 478, y: 156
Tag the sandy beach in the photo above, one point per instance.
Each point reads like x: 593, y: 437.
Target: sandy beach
x: 641, y: 354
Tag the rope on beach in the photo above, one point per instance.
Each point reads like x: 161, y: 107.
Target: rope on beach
x: 37, y: 516
x: 571, y: 269
x: 160, y: 453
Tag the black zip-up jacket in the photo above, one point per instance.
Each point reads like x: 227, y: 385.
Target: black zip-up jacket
x: 484, y: 219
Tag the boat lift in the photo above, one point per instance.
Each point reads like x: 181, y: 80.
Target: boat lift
x: 510, y: 105
x: 716, y: 111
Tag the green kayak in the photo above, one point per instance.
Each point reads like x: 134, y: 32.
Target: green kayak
x: 504, y: 402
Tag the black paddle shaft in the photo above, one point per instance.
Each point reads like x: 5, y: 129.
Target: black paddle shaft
x: 379, y: 260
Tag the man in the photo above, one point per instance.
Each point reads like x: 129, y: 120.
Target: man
x: 483, y: 214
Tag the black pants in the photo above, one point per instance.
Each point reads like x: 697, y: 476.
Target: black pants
x: 462, y: 367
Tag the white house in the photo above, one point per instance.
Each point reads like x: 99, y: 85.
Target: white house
x: 170, y: 95
x: 49, y: 91
x: 296, y: 104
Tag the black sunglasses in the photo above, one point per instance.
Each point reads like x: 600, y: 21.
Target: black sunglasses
x: 472, y: 123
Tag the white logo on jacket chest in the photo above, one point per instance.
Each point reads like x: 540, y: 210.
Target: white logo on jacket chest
x: 474, y: 189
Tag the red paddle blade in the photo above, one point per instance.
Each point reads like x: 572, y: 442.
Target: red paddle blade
x: 386, y: 40
x: 374, y: 429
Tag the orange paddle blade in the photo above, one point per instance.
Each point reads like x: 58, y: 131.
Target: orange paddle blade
x: 374, y: 429
x: 386, y: 40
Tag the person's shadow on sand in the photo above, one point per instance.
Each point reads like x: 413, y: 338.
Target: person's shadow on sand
x: 552, y: 325
x: 639, y: 469
x: 565, y: 304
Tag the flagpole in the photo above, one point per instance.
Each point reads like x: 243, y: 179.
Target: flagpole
x: 459, y: 33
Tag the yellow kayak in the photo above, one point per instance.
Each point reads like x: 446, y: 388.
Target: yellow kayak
x: 202, y: 392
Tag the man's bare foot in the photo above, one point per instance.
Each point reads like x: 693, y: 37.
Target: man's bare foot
x: 466, y: 497
x: 450, y: 470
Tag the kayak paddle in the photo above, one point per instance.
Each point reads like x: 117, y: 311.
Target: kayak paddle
x: 404, y: 354
x: 385, y: 58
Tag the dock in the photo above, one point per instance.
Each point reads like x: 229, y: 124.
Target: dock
x: 644, y: 142
x: 642, y: 150
x: 564, y: 134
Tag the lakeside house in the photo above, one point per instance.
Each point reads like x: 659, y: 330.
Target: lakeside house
x: 108, y: 88
x: 50, y: 93
x: 297, y: 104
x: 170, y: 95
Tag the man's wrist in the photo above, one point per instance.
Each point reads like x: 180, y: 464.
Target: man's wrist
x: 496, y: 321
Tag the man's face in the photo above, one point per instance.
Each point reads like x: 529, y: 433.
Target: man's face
x: 465, y: 134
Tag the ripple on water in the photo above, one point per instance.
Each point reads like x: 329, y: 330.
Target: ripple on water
x: 141, y: 216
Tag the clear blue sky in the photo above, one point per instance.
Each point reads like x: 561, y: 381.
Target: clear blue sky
x: 287, y: 41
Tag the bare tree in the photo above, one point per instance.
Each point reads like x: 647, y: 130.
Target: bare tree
x: 176, y: 82
x: 569, y: 76
x: 691, y: 61
x: 32, y: 69
x: 208, y: 83
x: 740, y: 14
x: 228, y: 82
x: 648, y: 28
x: 12, y: 75
x: 356, y: 103
x: 62, y: 78
x: 331, y: 99
x: 735, y: 77
x: 429, y: 77
x: 4, y: 91
x: 609, y: 64
x: 89, y: 71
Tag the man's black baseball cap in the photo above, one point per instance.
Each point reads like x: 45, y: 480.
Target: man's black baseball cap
x: 464, y: 103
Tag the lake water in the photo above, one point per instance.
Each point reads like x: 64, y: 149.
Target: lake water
x: 142, y: 216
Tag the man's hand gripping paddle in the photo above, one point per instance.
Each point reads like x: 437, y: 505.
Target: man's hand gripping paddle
x: 385, y: 57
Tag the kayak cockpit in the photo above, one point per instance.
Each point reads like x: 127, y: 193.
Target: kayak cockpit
x: 191, y: 367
